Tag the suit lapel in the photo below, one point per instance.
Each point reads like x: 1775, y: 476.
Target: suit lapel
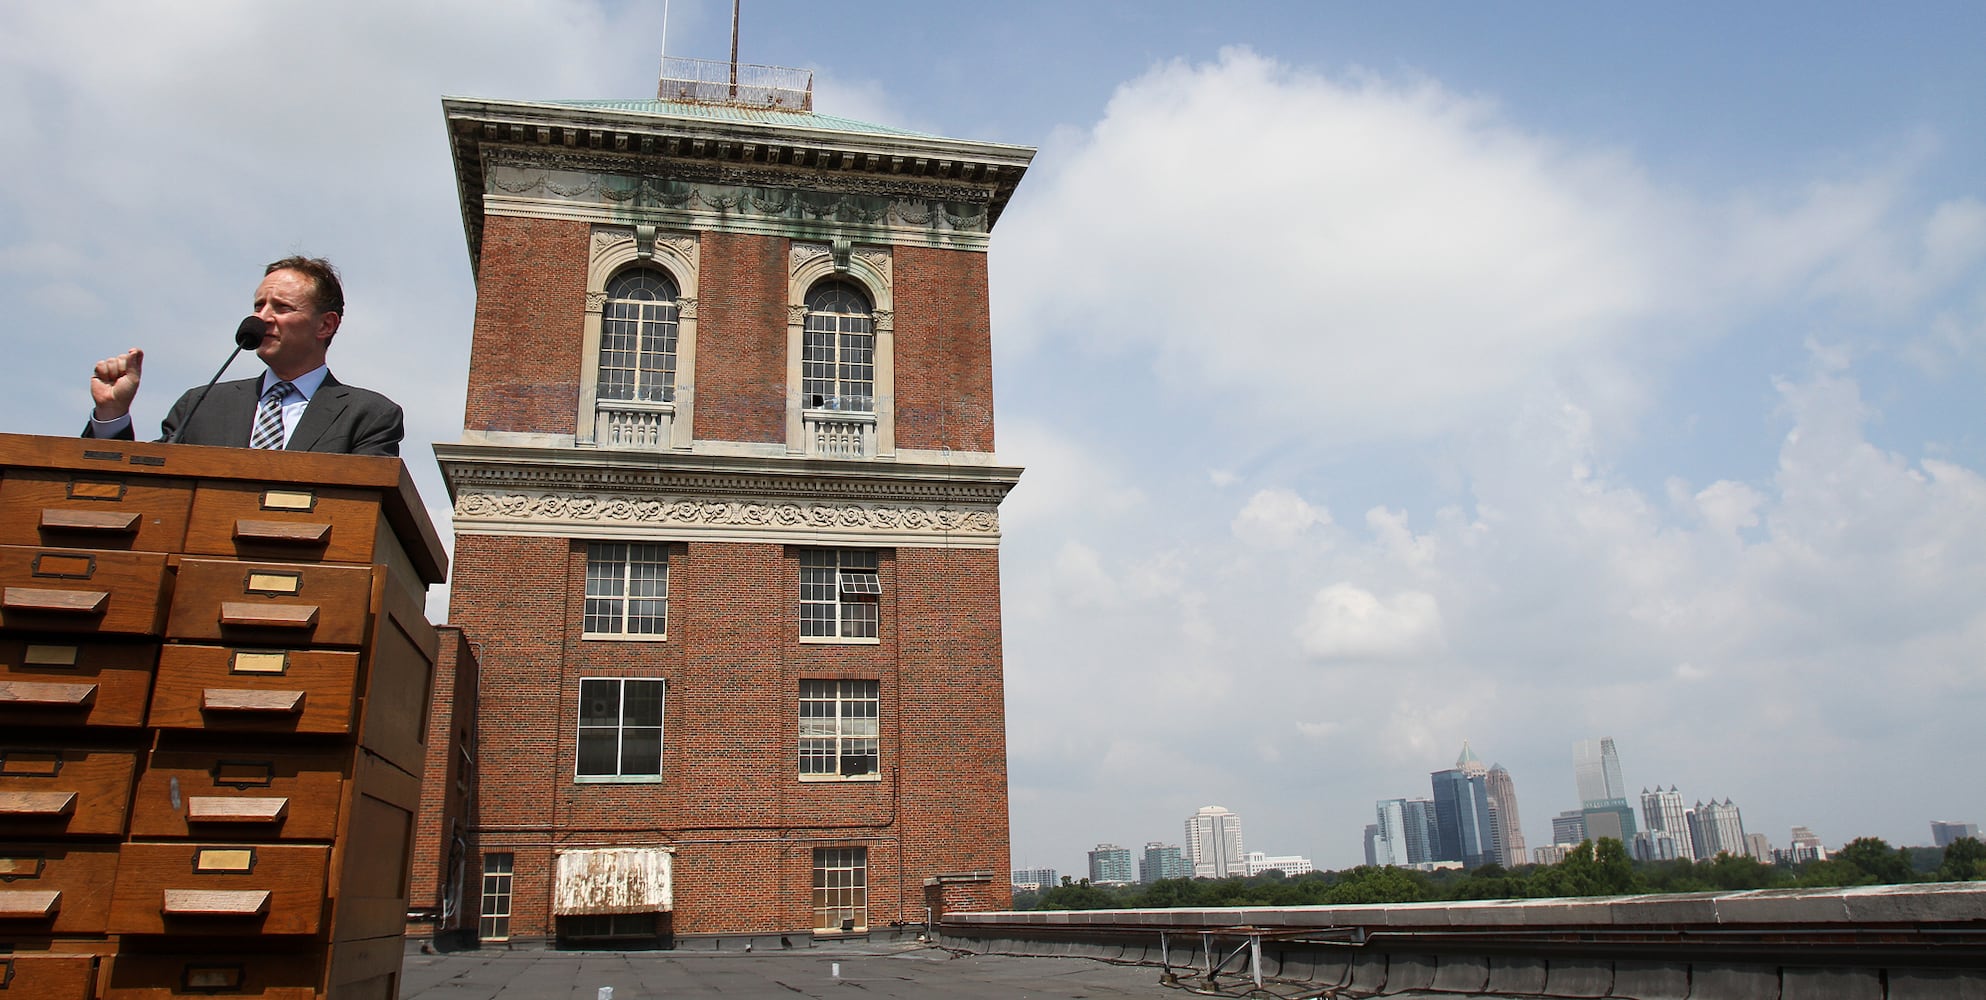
x: 231, y: 407
x: 325, y: 405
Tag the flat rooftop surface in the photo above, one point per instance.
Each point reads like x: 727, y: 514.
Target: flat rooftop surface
x: 883, y: 971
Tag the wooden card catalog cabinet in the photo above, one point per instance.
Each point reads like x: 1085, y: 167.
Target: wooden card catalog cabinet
x: 214, y: 677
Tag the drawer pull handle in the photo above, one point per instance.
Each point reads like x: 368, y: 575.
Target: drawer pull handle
x: 115, y: 522
x: 58, y: 695
x: 223, y: 809
x: 242, y: 614
x: 37, y: 804
x: 82, y: 602
x: 251, y: 700
x: 30, y: 904
x: 215, y: 902
x: 286, y: 532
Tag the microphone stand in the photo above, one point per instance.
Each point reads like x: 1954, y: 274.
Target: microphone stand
x: 246, y: 337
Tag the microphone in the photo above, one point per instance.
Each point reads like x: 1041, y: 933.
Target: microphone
x: 247, y: 337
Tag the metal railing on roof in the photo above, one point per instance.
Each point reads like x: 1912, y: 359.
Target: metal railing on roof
x: 712, y: 81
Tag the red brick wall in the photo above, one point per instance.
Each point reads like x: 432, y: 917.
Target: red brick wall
x: 944, y: 350
x: 445, y: 800
x: 530, y: 313
x: 744, y: 826
x: 741, y: 338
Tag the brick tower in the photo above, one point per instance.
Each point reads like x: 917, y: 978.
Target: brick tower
x: 726, y: 514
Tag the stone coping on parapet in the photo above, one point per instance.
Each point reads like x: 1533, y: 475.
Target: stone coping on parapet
x: 1948, y: 903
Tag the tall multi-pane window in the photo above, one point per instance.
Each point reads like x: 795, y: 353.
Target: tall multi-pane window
x: 638, y: 338
x: 838, y: 359
x: 841, y: 888
x: 620, y: 729
x: 495, y: 925
x: 627, y: 589
x: 840, y: 591
x: 838, y: 737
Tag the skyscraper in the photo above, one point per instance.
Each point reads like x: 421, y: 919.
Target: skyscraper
x: 1663, y: 812
x: 1387, y: 845
x: 1462, y: 818
x: 1503, y: 808
x: 1213, y: 842
x: 1596, y: 766
x: 1110, y: 865
x: 1569, y: 827
x: 1422, y: 831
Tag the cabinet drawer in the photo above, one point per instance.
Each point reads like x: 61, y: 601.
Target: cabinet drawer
x: 279, y: 604
x: 49, y: 977
x: 284, y: 523
x: 46, y: 792
x: 235, y: 795
x: 262, y: 975
x: 219, y: 889
x: 83, y: 591
x: 59, y: 888
x: 225, y: 689
x: 75, y: 683
x: 93, y: 511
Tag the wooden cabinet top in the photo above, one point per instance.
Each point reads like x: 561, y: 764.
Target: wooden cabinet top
x: 389, y: 477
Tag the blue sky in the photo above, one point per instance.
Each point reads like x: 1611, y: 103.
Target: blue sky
x: 1387, y: 376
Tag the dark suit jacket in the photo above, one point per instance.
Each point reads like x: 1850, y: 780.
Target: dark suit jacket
x: 340, y: 418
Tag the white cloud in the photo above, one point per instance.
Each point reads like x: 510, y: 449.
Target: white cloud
x: 1277, y: 518
x: 1348, y: 623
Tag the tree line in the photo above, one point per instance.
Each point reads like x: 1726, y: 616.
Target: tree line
x: 1591, y: 869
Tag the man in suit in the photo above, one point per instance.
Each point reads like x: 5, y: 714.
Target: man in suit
x: 295, y: 405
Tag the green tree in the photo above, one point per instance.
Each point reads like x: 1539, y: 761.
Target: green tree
x: 1878, y: 859
x: 1965, y: 859
x: 1078, y: 896
x: 1731, y: 872
x: 1377, y: 884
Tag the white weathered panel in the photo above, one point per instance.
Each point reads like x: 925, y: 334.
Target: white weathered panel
x: 613, y: 880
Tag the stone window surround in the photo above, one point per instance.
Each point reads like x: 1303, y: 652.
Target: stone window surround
x: 872, y: 270
x: 614, y: 249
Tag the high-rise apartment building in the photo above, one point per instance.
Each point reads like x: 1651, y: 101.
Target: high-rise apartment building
x: 1806, y: 847
x: 1035, y: 879
x: 1503, y: 809
x: 1213, y: 843
x: 726, y: 513
x: 1718, y: 829
x: 1663, y: 812
x: 1943, y: 833
x: 1163, y: 861
x: 1110, y: 865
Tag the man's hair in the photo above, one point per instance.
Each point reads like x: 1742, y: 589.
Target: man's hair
x: 330, y: 295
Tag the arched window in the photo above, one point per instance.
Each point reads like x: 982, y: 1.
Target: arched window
x: 838, y: 363
x: 638, y: 338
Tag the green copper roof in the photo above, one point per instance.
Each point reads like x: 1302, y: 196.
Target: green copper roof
x: 756, y: 116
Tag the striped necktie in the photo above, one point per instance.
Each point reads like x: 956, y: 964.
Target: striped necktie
x: 269, y: 417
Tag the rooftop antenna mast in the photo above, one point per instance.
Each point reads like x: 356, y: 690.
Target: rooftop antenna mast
x: 734, y: 48
x: 665, y: 31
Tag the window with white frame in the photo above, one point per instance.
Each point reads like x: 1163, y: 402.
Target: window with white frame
x: 620, y: 729
x: 495, y: 923
x: 840, y: 594
x: 627, y: 590
x: 838, y: 354
x: 838, y: 730
x: 638, y: 327
x: 841, y: 888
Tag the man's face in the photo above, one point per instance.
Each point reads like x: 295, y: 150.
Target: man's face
x: 299, y: 335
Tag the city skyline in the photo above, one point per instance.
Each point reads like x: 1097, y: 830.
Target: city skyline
x: 1580, y: 371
